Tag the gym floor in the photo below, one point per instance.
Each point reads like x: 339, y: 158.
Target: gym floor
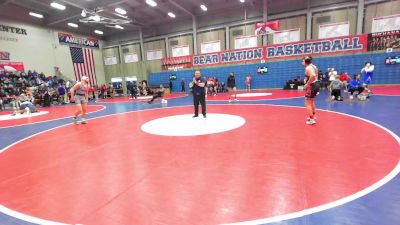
x: 252, y: 161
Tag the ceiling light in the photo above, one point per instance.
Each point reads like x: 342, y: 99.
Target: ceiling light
x: 98, y: 31
x: 242, y: 1
x: 170, y: 14
x: 36, y: 15
x: 73, y: 25
x: 152, y: 3
x: 57, y: 6
x: 119, y: 27
x: 203, y: 7
x: 120, y: 11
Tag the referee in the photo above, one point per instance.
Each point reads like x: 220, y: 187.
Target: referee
x: 199, y: 94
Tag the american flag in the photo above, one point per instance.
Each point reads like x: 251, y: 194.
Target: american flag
x: 83, y: 62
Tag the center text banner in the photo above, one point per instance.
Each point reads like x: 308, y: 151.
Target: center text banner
x: 235, y: 56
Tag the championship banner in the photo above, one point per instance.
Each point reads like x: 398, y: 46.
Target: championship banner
x: 286, y: 36
x: 4, y: 56
x: 356, y: 43
x: 384, y: 40
x: 12, y: 66
x: 269, y: 27
x: 69, y: 39
x: 180, y: 50
x: 235, y: 56
x: 174, y: 63
x: 385, y: 23
x: 332, y: 30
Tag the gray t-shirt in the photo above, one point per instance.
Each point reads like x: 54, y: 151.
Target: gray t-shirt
x: 336, y: 84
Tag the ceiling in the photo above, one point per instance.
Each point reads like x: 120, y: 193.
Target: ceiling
x: 152, y: 20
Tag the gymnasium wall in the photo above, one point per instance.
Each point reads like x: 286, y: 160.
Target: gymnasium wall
x: 39, y: 50
x: 281, y: 71
x: 144, y: 68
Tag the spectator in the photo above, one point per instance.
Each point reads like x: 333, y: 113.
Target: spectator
x: 183, y: 85
x: 248, y: 82
x: 355, y: 85
x: 170, y: 85
x: 110, y: 90
x: 62, y: 92
x: 332, y: 74
x: 335, y: 88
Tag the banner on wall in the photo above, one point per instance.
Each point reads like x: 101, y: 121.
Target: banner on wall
x: 287, y: 36
x: 384, y: 40
x: 356, y: 43
x: 392, y: 60
x: 69, y: 39
x: 385, y: 23
x: 246, y: 42
x: 268, y: 27
x: 110, y: 60
x: 154, y: 54
x: 12, y: 66
x: 131, y: 57
x: 211, y: 46
x: 334, y: 30
x: 180, y: 50
x: 234, y: 56
x: 4, y: 56
x: 174, y: 63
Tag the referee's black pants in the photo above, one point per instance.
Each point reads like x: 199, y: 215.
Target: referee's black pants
x: 199, y: 98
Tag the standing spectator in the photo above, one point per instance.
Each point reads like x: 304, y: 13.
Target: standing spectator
x: 133, y: 90
x: 63, y: 93
x: 96, y: 92
x: 332, y: 74
x: 183, y: 85
x: 170, y: 85
x: 199, y: 94
x: 248, y: 82
x: 355, y: 85
x: 104, y: 90
x: 231, y: 84
x: 110, y: 90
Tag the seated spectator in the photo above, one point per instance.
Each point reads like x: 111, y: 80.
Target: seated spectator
x: 355, y: 85
x: 345, y: 79
x: 335, y: 88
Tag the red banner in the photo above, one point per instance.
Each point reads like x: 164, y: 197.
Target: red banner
x: 173, y: 63
x: 267, y: 27
x: 12, y: 66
